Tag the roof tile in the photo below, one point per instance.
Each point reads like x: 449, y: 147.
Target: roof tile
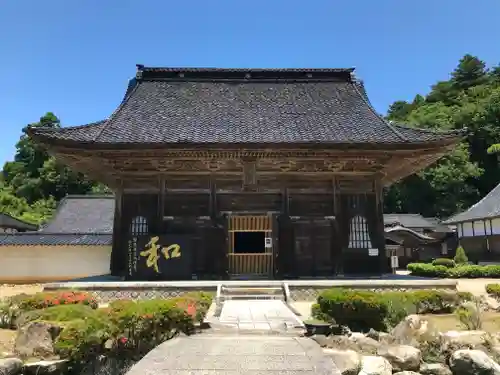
x: 85, y: 214
x: 41, y: 239
x: 486, y: 208
x: 189, y: 105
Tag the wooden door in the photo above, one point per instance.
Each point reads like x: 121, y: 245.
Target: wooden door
x: 251, y: 263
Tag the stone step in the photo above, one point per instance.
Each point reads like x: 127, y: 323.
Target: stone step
x: 257, y: 292
x: 226, y: 297
x: 252, y: 290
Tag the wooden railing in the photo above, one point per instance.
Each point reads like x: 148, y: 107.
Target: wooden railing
x: 250, y: 263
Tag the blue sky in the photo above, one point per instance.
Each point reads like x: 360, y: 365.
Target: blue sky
x: 74, y: 58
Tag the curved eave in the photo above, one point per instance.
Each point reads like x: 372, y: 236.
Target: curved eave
x: 406, y: 232
x: 50, y: 140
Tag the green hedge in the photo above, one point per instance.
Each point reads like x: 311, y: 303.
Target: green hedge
x: 361, y: 310
x: 450, y: 263
x: 469, y: 271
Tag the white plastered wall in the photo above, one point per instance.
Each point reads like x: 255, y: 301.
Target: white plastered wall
x: 30, y: 264
x: 479, y: 228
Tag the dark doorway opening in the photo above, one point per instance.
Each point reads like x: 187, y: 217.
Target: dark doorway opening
x: 249, y: 242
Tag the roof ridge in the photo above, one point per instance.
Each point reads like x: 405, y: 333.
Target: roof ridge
x: 241, y: 74
x: 389, y: 125
x: 141, y: 67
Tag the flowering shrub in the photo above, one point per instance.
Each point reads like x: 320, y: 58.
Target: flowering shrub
x: 60, y: 313
x: 15, y: 306
x: 129, y: 328
x: 43, y: 300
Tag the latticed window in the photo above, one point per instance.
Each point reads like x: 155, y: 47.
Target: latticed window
x: 139, y: 226
x: 359, y: 236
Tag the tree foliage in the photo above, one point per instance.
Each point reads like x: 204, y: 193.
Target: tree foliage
x: 470, y: 99
x: 33, y: 183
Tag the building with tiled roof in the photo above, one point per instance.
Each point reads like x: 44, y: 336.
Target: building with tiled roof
x: 9, y: 224
x: 75, y: 243
x: 478, y: 227
x: 269, y: 173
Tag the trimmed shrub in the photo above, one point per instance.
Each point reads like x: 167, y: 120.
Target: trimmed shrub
x: 450, y: 263
x: 469, y: 271
x: 437, y: 301
x: 361, y: 310
x: 357, y: 309
x: 493, y: 290
x: 427, y: 270
x: 460, y: 256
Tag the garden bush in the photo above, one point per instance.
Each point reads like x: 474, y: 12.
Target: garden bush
x: 361, y: 310
x: 129, y: 329
x: 61, y: 313
x: 450, y: 263
x: 357, y: 309
x: 469, y: 271
x: 12, y: 307
x: 493, y: 290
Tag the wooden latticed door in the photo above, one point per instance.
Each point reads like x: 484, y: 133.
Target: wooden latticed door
x: 250, y: 250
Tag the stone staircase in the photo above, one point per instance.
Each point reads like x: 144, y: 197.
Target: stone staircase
x: 241, y: 292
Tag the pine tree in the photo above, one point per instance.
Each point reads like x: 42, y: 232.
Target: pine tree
x: 460, y: 256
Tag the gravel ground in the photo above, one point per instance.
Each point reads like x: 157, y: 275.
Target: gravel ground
x: 7, y: 290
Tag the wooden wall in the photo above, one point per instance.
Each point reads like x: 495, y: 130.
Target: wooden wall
x: 312, y: 228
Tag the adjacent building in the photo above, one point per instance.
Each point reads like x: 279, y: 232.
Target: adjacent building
x: 414, y: 238
x: 219, y: 173
x: 75, y: 243
x: 9, y: 224
x: 478, y: 228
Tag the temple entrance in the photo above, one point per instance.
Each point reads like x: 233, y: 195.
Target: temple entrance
x: 249, y: 242
x: 250, y: 250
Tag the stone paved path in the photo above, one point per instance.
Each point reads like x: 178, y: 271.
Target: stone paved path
x: 236, y: 355
x: 258, y: 315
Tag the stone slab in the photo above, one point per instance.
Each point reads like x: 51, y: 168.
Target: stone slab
x: 236, y: 355
x: 258, y: 314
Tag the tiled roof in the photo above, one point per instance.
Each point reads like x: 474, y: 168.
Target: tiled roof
x: 408, y: 221
x: 400, y: 232
x: 78, y: 220
x: 190, y: 105
x: 486, y: 208
x: 83, y: 214
x: 7, y: 221
x: 41, y: 239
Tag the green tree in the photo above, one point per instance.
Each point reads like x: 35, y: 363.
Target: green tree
x: 460, y: 256
x: 471, y: 99
x: 34, y: 182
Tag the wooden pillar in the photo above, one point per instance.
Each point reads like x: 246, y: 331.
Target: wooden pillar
x: 379, y: 194
x: 335, y: 242
x: 118, y: 248
x: 285, y: 256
